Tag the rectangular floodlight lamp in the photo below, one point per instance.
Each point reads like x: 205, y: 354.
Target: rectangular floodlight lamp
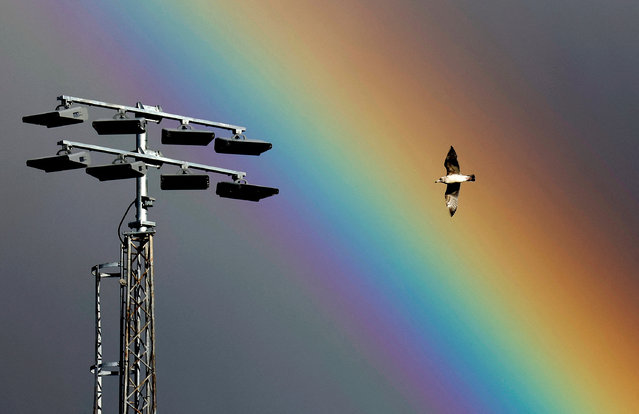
x: 61, y: 162
x: 119, y: 171
x: 184, y: 181
x: 241, y: 191
x: 186, y: 137
x: 120, y: 126
x: 241, y: 146
x: 69, y: 116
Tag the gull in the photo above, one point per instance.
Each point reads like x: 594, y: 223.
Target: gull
x: 453, y: 180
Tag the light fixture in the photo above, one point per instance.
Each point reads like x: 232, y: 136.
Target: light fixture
x: 120, y: 125
x: 240, y: 145
x: 242, y: 191
x: 61, y: 162
x: 119, y: 170
x: 184, y: 181
x: 186, y: 136
x: 59, y: 117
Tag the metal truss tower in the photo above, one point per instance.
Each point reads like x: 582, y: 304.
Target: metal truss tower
x: 136, y: 365
x: 137, y: 353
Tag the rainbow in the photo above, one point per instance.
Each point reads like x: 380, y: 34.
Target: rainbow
x: 362, y: 101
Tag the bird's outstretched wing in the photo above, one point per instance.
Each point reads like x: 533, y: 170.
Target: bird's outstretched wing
x: 451, y: 196
x: 451, y: 164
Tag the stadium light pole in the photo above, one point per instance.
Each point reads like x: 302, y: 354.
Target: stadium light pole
x: 135, y: 269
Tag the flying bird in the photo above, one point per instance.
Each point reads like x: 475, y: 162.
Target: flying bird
x: 453, y: 180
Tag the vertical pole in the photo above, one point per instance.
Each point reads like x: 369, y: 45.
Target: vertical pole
x: 141, y: 187
x: 137, y: 334
x: 141, y: 216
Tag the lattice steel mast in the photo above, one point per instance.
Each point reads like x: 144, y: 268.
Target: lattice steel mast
x: 135, y: 270
x: 137, y: 382
x: 137, y: 332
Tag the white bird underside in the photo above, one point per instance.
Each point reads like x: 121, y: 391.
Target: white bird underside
x: 456, y: 178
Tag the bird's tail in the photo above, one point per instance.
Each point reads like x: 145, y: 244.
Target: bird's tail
x: 472, y: 177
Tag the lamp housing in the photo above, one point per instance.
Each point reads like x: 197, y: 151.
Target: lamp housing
x: 243, y: 191
x: 61, y: 162
x: 118, y: 171
x: 185, y: 136
x: 241, y: 146
x: 61, y: 117
x: 119, y: 126
x: 184, y: 181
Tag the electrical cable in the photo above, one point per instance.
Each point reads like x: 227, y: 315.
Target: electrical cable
x: 122, y: 221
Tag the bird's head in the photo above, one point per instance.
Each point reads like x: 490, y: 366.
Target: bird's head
x: 439, y: 180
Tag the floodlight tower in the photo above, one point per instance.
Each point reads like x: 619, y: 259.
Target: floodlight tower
x: 136, y: 366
